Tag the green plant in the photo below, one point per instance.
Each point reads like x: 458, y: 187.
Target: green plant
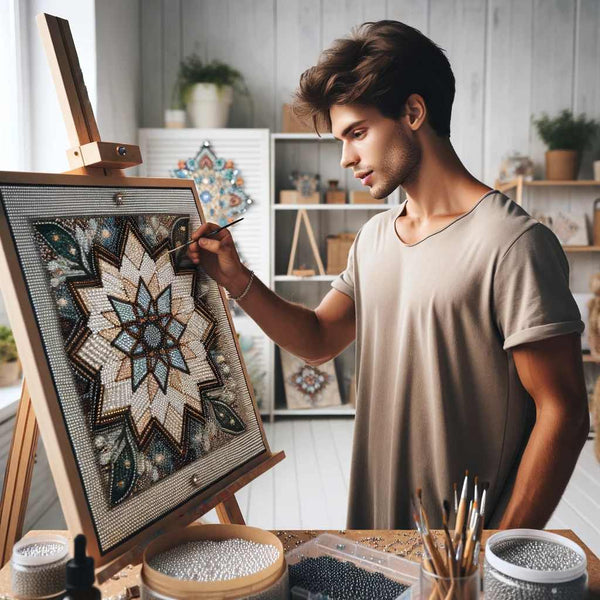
x: 8, y: 348
x: 565, y: 132
x: 193, y: 70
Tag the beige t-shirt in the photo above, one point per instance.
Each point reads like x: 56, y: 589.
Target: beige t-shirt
x: 437, y: 388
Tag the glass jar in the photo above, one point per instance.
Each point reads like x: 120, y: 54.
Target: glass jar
x: 532, y: 564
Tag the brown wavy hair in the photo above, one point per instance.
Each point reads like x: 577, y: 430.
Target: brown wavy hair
x: 380, y: 64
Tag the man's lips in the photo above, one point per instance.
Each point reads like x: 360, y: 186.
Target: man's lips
x: 367, y: 178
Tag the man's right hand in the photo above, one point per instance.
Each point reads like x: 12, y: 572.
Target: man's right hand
x: 218, y: 256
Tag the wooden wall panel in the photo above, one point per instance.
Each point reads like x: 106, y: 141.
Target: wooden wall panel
x: 508, y: 82
x: 449, y: 23
x: 511, y: 59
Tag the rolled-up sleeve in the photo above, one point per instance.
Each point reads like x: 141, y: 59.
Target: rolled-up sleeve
x: 532, y: 299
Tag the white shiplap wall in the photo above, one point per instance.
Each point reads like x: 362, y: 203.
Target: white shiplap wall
x: 511, y: 59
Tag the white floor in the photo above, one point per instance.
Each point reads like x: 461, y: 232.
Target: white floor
x: 308, y: 490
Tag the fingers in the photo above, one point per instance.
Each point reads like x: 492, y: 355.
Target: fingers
x: 203, y: 230
x: 213, y: 244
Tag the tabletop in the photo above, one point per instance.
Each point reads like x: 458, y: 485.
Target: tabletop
x: 404, y: 543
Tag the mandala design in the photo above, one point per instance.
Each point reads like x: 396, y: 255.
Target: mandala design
x: 145, y: 311
x: 144, y: 348
x: 310, y: 380
x: 218, y: 183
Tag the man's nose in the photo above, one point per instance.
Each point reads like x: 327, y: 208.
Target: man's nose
x: 349, y: 157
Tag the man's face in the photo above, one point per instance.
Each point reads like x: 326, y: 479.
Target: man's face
x: 384, y: 150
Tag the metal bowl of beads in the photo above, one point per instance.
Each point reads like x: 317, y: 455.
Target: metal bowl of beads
x: 37, y: 566
x: 331, y: 566
x: 215, y: 561
x: 533, y: 564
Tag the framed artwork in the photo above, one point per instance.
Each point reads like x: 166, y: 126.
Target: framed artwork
x: 129, y: 351
x: 570, y: 228
x: 307, y: 386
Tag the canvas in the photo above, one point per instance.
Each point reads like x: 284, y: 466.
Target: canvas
x: 309, y: 386
x: 139, y: 346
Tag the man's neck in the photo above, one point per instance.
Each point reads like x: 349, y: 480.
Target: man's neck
x: 442, y: 186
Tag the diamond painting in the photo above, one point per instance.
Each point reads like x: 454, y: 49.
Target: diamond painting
x: 308, y: 386
x: 140, y: 347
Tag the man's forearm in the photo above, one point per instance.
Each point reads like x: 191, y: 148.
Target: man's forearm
x: 546, y: 467
x: 291, y: 326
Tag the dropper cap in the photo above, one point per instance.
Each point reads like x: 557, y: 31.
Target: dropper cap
x: 80, y: 569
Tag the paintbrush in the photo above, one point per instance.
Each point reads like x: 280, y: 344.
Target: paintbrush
x: 482, y: 510
x: 462, y: 510
x: 471, y: 539
x: 211, y: 234
x: 449, y: 545
x: 454, y: 486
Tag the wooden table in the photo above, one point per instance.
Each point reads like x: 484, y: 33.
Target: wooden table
x: 402, y: 543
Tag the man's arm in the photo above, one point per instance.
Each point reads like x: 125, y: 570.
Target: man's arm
x: 551, y: 371
x: 314, y: 335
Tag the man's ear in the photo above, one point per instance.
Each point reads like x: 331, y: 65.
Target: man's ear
x: 415, y: 111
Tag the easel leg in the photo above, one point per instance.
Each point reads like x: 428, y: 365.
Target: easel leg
x: 229, y: 511
x: 17, y: 479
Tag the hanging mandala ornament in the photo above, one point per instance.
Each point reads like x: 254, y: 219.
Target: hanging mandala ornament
x: 219, y: 185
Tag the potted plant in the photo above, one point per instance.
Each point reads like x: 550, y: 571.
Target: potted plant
x: 175, y: 114
x: 566, y: 137
x: 206, y: 89
x: 10, y: 368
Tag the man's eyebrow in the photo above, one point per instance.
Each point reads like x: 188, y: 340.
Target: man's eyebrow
x: 350, y: 127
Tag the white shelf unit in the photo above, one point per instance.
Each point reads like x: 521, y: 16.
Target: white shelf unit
x: 307, y: 152
x: 249, y: 150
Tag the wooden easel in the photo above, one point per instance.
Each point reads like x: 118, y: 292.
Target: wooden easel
x: 88, y: 155
x: 302, y: 217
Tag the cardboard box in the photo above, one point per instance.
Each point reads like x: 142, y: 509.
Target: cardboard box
x: 335, y: 197
x: 338, y: 247
x: 314, y: 198
x: 291, y: 124
x: 364, y: 197
x: 295, y: 197
x: 288, y: 197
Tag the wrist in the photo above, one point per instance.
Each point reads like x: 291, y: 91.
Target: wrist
x: 238, y: 283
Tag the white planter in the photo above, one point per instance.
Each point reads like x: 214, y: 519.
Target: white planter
x: 209, y: 105
x: 597, y: 170
x: 174, y: 119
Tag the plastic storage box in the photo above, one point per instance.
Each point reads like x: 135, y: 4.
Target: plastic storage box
x: 341, y: 548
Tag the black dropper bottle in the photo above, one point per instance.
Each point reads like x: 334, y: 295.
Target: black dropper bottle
x: 80, y: 574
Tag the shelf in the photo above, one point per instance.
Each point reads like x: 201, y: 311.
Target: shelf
x: 311, y: 412
x: 332, y: 206
x: 310, y: 278
x: 581, y: 248
x: 299, y: 137
x: 509, y: 185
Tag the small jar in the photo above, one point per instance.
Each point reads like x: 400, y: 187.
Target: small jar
x: 532, y: 564
x: 38, y: 566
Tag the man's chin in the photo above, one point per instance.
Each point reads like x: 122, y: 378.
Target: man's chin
x: 379, y: 193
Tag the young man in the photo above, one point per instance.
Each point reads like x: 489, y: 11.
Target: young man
x: 467, y: 337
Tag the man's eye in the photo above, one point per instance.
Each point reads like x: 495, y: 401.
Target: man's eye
x: 358, y: 133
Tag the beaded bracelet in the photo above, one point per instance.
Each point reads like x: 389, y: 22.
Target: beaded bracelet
x: 246, y: 289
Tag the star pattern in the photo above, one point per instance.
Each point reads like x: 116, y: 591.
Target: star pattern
x: 146, y: 337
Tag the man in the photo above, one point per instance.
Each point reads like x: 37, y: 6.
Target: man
x: 467, y: 337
